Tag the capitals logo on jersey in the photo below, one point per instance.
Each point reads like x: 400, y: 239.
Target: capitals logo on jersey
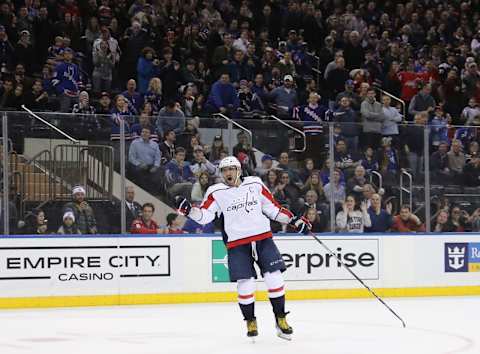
x: 247, y: 203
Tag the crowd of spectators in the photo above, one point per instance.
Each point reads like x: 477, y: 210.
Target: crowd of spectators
x: 156, y: 66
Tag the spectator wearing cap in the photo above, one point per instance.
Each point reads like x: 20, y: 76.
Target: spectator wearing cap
x: 373, y: 119
x: 25, y: 53
x: 147, y: 68
x: 350, y: 94
x: 284, y: 98
x: 66, y: 79
x: 335, y: 81
x: 223, y: 96
x: 104, y: 105
x: 69, y: 227
x: 170, y: 117
x: 134, y: 98
x: 200, y: 163
x: 82, y: 212
x: 144, y: 159
x: 103, y: 65
x: 422, y: 102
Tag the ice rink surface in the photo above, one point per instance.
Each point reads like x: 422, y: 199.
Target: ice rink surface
x: 434, y: 326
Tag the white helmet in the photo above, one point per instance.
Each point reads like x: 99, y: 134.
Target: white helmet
x: 229, y: 161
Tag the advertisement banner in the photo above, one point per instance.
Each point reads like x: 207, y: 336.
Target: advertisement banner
x: 306, y: 260
x: 104, y: 262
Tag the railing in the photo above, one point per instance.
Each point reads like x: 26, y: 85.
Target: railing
x: 403, y: 189
x: 88, y: 165
x: 396, y: 99
x: 379, y: 176
x: 232, y: 123
x: 50, y: 125
x: 296, y: 130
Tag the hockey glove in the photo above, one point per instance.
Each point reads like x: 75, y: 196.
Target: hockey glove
x: 301, y: 224
x: 183, y: 205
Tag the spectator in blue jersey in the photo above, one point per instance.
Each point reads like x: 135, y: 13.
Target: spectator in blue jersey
x: 170, y: 117
x: 120, y: 115
x: 369, y: 161
x: 223, y: 96
x: 388, y: 161
x: 147, y: 68
x: 144, y: 161
x: 313, y: 116
x: 178, y: 175
x: 135, y: 99
x: 65, y: 80
x: 349, y: 122
x: 143, y: 122
x: 439, y: 128
x: 284, y: 98
x: 154, y: 95
x: 381, y: 218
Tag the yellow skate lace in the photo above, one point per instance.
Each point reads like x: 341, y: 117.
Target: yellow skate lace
x: 251, y: 325
x: 282, y: 323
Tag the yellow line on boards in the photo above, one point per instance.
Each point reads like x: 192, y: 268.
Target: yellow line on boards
x: 178, y: 298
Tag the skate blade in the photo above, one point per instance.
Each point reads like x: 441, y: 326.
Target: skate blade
x: 282, y: 335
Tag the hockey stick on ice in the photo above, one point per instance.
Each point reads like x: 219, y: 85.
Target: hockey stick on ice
x: 356, y: 277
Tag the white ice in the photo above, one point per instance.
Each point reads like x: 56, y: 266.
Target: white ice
x: 434, y: 325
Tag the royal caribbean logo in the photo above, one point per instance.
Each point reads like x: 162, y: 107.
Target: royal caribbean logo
x: 462, y: 257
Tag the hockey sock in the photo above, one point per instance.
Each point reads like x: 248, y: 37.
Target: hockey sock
x: 246, y: 297
x: 278, y: 305
x: 248, y: 311
x: 276, y: 291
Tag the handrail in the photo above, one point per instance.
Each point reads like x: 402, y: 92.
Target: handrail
x: 295, y: 130
x: 398, y: 99
x: 380, y: 178
x: 403, y: 189
x: 249, y: 132
x: 50, y: 125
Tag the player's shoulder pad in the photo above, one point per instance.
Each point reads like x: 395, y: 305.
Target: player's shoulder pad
x: 252, y: 179
x: 216, y: 187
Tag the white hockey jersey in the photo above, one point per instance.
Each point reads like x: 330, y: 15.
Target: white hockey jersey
x: 246, y: 210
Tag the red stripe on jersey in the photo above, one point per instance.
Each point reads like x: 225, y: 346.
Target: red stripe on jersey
x: 243, y: 297
x: 275, y: 290
x: 286, y: 212
x: 247, y: 240
x: 207, y: 202
x: 266, y: 193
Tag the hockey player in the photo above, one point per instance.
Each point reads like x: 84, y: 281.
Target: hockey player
x: 245, y: 206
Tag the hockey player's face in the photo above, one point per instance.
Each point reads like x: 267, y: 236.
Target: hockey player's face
x: 229, y: 175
